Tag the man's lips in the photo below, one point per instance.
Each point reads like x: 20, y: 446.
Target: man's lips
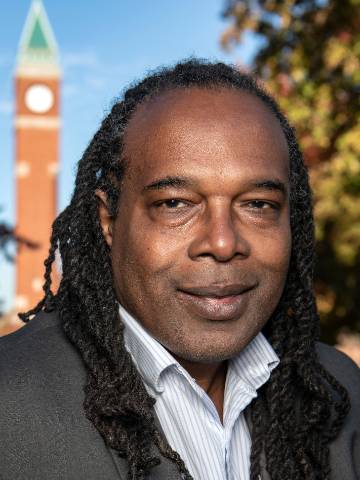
x: 217, y: 291
x: 216, y: 302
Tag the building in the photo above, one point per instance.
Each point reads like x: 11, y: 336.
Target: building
x: 37, y: 127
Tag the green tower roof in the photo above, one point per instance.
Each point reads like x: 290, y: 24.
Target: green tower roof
x: 38, y: 47
x: 37, y: 39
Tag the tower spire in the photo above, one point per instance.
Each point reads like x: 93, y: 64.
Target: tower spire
x: 38, y: 50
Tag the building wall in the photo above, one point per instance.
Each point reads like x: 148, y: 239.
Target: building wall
x: 37, y: 160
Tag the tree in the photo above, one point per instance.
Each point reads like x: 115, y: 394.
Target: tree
x: 7, y: 238
x: 310, y: 60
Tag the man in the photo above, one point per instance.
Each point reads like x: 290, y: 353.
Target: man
x: 182, y: 340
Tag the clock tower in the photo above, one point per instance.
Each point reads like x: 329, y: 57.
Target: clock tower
x: 37, y: 124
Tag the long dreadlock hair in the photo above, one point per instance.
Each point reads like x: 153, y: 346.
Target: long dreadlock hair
x: 116, y: 401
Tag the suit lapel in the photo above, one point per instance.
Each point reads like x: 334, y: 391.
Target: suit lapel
x: 167, y: 470
x: 120, y: 464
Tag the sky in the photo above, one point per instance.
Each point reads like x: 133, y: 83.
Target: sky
x: 103, y: 46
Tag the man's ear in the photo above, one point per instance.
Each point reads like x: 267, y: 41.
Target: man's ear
x: 106, y: 220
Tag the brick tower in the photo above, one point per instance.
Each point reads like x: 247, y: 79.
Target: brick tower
x: 37, y: 124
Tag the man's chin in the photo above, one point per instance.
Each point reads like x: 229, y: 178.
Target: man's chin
x: 213, y: 354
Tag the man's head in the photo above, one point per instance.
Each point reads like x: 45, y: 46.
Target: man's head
x: 200, y: 244
x: 192, y: 207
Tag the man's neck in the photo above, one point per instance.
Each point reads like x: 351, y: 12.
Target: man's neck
x: 211, y: 377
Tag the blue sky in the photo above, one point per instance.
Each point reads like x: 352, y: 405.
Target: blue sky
x: 103, y: 47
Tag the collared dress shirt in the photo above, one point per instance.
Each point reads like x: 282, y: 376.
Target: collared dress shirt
x: 211, y: 450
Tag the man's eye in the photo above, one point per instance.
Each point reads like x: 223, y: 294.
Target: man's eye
x: 172, y: 204
x: 261, y: 205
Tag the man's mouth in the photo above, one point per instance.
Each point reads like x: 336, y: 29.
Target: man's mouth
x: 216, y: 302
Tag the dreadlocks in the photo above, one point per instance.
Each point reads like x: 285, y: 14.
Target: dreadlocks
x: 293, y: 434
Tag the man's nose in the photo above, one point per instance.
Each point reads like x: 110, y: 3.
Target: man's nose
x: 219, y: 235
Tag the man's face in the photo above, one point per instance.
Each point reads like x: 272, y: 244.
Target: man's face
x: 201, y: 243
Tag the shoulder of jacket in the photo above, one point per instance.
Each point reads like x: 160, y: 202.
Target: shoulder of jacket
x: 25, y: 340
x: 38, y: 326
x: 343, y: 369
x: 37, y: 348
x: 336, y: 361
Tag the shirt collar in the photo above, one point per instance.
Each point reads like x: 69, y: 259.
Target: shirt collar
x: 253, y: 365
x: 255, y: 362
x: 149, y: 356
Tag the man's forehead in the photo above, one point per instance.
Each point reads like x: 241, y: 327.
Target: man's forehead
x: 204, y: 123
x: 205, y: 105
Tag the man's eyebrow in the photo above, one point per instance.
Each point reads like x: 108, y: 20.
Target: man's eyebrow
x: 169, y: 182
x: 270, y: 185
x: 184, y: 182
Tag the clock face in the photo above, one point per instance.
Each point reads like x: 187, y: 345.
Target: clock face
x: 39, y: 98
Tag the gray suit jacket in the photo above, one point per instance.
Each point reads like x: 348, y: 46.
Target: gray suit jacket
x: 44, y: 434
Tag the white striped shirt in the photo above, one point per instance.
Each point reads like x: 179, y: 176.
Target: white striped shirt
x: 211, y: 450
